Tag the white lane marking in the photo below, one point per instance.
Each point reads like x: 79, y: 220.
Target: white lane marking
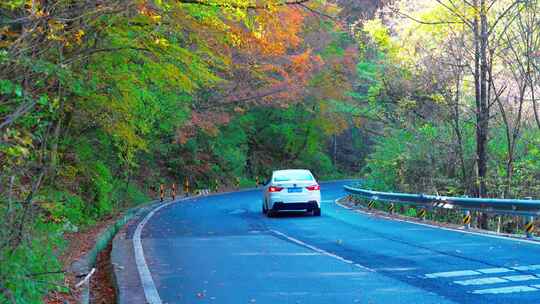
x: 367, y: 239
x: 150, y: 290
x: 443, y: 228
x: 482, y: 281
x: 520, y: 278
x: 527, y: 267
x: 472, y: 245
x: 283, y: 293
x: 511, y: 289
x: 494, y: 270
x: 341, y: 273
x: 322, y: 251
x: 450, y: 274
x: 279, y: 253
x: 396, y: 269
x: 238, y: 211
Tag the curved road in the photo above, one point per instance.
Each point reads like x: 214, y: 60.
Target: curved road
x: 222, y: 249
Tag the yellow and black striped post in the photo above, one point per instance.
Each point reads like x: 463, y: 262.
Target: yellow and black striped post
x: 467, y: 219
x: 529, y: 227
x: 173, y: 191
x: 161, y: 192
x: 391, y: 208
x: 257, y: 181
x: 186, y: 186
x: 422, y: 213
x: 371, y: 204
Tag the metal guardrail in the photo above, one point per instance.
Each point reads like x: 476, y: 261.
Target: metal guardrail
x: 512, y: 206
x: 528, y: 208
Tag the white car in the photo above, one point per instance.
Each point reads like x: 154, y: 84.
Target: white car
x: 291, y: 190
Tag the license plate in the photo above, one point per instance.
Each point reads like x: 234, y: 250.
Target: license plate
x: 294, y: 190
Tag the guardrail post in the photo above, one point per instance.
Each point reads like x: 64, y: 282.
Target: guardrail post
x: 161, y: 192
x: 529, y: 227
x: 467, y: 219
x: 186, y: 186
x: 517, y: 208
x: 391, y: 208
x: 422, y: 214
x: 173, y: 191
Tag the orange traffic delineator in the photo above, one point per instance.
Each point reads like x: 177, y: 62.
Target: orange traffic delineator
x: 161, y: 192
x: 529, y: 227
x: 391, y: 208
x: 173, y: 193
x: 186, y: 186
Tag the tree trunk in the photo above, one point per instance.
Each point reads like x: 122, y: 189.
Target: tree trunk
x: 477, y: 93
x: 509, y: 147
x: 483, y: 117
x: 535, y: 109
x: 480, y: 29
x: 335, y: 150
x: 457, y: 130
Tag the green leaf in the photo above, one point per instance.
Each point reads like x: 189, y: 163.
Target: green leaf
x: 18, y: 91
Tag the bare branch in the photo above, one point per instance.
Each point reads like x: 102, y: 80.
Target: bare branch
x: 456, y: 13
x: 396, y: 11
x: 248, y: 6
x: 316, y: 12
x: 502, y: 15
x: 21, y: 110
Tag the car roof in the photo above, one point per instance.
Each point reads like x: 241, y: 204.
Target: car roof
x: 291, y: 171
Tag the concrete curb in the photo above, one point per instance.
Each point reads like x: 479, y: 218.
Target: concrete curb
x: 126, y: 278
x: 85, y: 264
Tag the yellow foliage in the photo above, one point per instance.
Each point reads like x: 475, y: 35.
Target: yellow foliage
x: 78, y: 36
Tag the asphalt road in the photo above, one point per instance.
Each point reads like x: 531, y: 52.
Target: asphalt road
x: 222, y: 249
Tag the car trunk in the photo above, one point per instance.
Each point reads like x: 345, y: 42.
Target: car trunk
x: 295, y: 187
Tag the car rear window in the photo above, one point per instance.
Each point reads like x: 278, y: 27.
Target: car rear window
x: 293, y: 175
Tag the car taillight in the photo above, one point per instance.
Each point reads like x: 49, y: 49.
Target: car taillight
x: 274, y: 189
x: 313, y: 187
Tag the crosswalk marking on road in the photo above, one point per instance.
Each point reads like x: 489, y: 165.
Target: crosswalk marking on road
x: 528, y: 267
x: 449, y: 274
x: 521, y: 278
x: 483, y: 281
x: 511, y: 289
x: 484, y: 277
x: 494, y: 270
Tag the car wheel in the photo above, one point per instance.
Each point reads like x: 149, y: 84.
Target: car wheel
x: 317, y: 212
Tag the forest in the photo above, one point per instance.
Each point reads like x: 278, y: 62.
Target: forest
x: 102, y: 101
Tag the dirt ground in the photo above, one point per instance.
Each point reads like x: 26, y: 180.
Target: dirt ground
x: 80, y: 243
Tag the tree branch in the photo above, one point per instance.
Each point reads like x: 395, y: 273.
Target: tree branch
x: 248, y: 6
x: 316, y: 12
x: 241, y: 100
x: 396, y: 11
